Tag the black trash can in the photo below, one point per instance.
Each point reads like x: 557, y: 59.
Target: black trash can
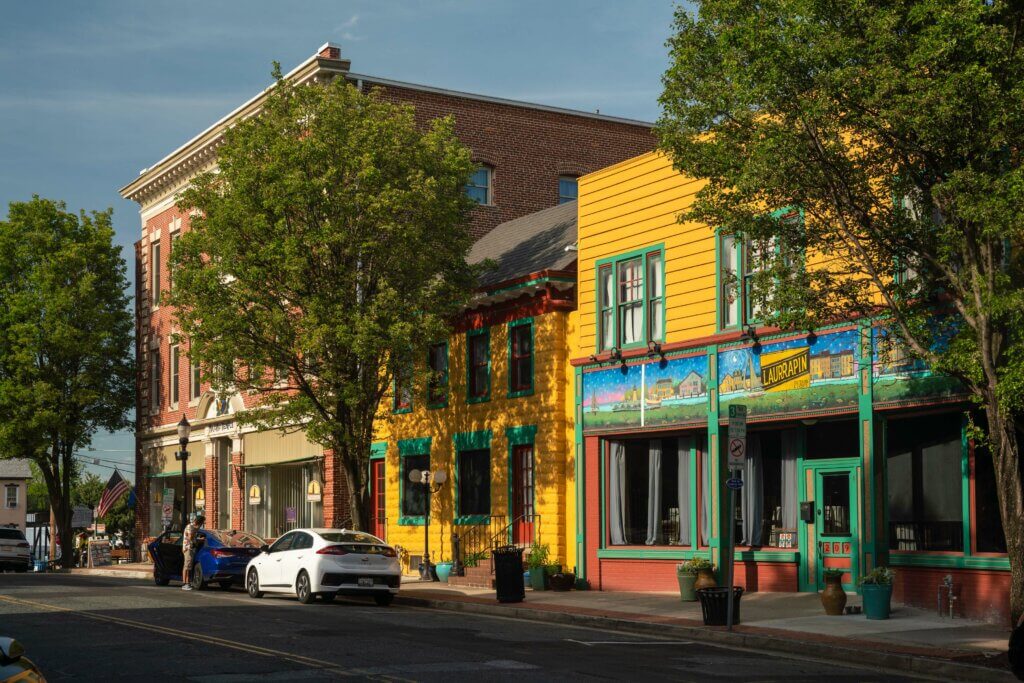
x: 508, y: 573
x: 714, y: 603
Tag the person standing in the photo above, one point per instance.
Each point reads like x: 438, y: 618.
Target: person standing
x: 188, y: 548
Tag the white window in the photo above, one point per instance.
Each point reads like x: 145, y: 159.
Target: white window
x: 154, y: 381
x: 154, y: 269
x: 479, y: 186
x: 195, y: 386
x: 631, y: 300
x: 175, y: 380
x: 11, y: 496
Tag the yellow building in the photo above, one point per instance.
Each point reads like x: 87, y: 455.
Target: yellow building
x: 495, y: 423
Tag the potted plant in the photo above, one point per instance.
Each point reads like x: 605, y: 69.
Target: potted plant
x: 537, y: 560
x: 686, y: 574
x: 876, y: 590
x: 705, y: 573
x: 444, y: 570
x: 833, y: 598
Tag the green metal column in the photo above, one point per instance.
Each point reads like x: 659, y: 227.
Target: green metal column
x: 874, y: 541
x: 720, y: 516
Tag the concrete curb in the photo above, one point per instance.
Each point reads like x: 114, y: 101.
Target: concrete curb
x: 922, y: 666
x: 116, y: 573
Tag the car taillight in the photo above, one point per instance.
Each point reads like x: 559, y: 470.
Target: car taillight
x: 332, y: 550
x: 220, y: 552
x: 23, y: 544
x: 389, y: 552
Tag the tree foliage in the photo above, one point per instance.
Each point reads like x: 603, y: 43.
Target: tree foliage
x: 326, y: 252
x: 66, y: 366
x: 896, y: 129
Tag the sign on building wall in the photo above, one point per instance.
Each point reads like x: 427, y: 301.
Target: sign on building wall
x: 314, y: 492
x: 785, y: 370
x: 255, y: 495
x: 200, y: 502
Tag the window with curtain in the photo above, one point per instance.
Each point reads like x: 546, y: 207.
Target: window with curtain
x: 175, y: 375
x: 649, y: 500
x: 437, y: 385
x: 478, y: 364
x: 925, y: 464
x: 414, y: 496
x: 195, y: 379
x: 474, y: 483
x: 767, y: 504
x: 521, y: 358
x: 154, y: 380
x: 630, y: 301
x: 402, y: 399
x: 11, y: 495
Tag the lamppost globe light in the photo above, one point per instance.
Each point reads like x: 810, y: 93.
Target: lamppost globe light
x: 184, y: 431
x: 439, y: 477
x: 414, y: 476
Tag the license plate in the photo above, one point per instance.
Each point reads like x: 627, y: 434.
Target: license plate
x: 365, y: 582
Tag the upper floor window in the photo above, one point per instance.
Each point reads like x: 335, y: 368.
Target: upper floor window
x: 154, y: 269
x: 568, y: 190
x: 520, y: 361
x: 402, y: 399
x: 175, y: 375
x: 154, y: 380
x: 195, y: 378
x: 11, y: 496
x: 437, y: 384
x: 479, y: 186
x: 631, y: 300
x: 739, y: 264
x: 478, y: 365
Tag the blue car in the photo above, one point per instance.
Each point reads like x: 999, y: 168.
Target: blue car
x: 221, y: 557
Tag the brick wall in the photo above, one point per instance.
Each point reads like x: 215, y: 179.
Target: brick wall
x: 981, y: 594
x: 212, y: 491
x: 239, y: 496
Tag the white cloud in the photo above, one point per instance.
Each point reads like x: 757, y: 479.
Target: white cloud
x: 345, y: 29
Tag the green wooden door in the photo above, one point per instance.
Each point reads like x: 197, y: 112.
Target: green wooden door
x: 836, y: 527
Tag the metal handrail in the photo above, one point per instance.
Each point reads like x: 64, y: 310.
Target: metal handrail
x: 475, y: 539
x: 506, y: 533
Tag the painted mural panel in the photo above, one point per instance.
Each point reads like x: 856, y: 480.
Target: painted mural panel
x: 665, y: 392
x: 899, y: 377
x: 792, y: 375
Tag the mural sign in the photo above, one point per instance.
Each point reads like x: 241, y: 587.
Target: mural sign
x: 783, y: 370
x: 900, y: 377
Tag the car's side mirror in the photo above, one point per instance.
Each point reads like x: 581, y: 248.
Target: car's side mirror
x: 264, y: 548
x: 10, y: 651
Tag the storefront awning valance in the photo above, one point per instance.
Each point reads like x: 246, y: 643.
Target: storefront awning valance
x: 160, y: 461
x: 267, y: 448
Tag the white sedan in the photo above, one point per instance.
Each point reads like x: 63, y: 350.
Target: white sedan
x: 326, y: 562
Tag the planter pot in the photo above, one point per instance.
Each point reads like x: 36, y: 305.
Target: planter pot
x: 550, y: 569
x: 687, y: 589
x: 538, y: 579
x: 444, y: 569
x: 833, y: 598
x: 562, y: 581
x: 705, y: 579
x: 877, y: 599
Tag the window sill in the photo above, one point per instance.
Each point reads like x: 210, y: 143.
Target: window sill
x: 478, y: 399
x: 401, y: 411
x: 520, y: 393
x: 466, y: 520
x: 411, y: 521
x: 437, y: 406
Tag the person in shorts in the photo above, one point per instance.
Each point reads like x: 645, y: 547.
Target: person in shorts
x: 188, y: 548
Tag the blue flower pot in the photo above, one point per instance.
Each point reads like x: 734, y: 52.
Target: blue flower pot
x: 876, y: 599
x: 444, y: 569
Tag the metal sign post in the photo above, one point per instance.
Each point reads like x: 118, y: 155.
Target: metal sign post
x: 737, y: 457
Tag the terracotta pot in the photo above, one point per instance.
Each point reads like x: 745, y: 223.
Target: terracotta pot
x: 705, y: 579
x: 833, y: 598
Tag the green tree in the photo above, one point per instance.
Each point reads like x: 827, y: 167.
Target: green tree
x: 38, y: 497
x: 896, y: 129
x: 87, y: 490
x: 66, y: 366
x: 327, y: 251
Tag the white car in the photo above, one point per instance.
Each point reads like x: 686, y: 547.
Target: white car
x: 14, y: 550
x: 326, y: 562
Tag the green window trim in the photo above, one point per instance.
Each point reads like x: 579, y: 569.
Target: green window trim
x: 442, y: 383
x: 406, y: 448
x: 473, y: 441
x: 470, y: 441
x: 471, y: 520
x: 612, y: 263
x: 525, y: 435
x: 526, y: 391
x: 473, y: 334
x: 378, y: 449
x: 395, y: 408
x: 521, y: 436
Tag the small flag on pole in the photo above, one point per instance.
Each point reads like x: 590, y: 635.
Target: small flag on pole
x: 116, y: 487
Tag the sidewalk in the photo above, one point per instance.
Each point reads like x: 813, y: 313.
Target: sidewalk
x: 913, y: 640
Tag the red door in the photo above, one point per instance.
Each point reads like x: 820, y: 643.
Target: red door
x: 379, y: 523
x: 522, y: 495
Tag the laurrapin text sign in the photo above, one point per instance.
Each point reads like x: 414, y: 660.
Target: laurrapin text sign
x: 784, y: 370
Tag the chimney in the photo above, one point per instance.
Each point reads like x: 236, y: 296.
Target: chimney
x: 329, y: 51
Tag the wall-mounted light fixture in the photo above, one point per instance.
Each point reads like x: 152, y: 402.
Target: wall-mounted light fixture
x: 654, y: 349
x: 751, y: 333
x: 811, y: 338
x: 616, y: 354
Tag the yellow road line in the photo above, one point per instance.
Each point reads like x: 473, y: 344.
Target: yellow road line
x: 206, y: 639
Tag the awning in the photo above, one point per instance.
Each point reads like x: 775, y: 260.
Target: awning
x: 160, y: 461
x: 167, y: 475
x: 275, y: 447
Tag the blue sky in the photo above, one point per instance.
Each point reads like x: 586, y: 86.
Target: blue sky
x: 90, y: 93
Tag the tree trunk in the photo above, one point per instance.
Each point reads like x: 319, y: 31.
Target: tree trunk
x: 60, y: 504
x: 358, y: 491
x: 1002, y: 434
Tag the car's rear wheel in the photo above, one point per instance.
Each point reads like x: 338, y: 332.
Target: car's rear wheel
x: 383, y: 599
x: 303, y: 589
x: 158, y: 578
x: 196, y: 577
x: 329, y: 596
x: 225, y: 585
x: 252, y: 584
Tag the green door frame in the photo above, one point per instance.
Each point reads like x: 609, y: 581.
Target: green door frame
x: 817, y: 468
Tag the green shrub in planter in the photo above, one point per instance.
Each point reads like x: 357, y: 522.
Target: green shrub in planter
x: 876, y: 593
x: 537, y: 560
x: 686, y: 574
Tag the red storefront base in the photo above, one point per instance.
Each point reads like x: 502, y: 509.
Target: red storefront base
x: 982, y: 594
x: 621, y: 574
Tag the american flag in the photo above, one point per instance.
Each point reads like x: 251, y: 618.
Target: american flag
x: 116, y: 487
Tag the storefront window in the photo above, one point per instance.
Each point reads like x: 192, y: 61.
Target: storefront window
x: 767, y: 504
x: 414, y: 496
x: 282, y: 505
x: 925, y: 459
x: 649, y: 501
x: 474, y: 482
x: 988, y: 525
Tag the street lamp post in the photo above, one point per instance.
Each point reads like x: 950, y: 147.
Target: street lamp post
x: 433, y: 482
x: 184, y: 430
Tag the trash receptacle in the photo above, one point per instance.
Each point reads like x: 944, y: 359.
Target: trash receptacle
x: 714, y: 604
x: 508, y: 573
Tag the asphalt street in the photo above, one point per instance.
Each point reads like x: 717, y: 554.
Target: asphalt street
x: 93, y: 628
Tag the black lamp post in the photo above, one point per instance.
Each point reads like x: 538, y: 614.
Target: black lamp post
x: 433, y: 482
x: 184, y: 429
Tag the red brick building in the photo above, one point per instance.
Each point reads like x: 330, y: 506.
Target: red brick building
x: 529, y: 157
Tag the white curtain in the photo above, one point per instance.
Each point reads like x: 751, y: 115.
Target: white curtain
x: 705, y: 497
x: 752, y: 493
x: 617, y: 492
x: 683, y: 484
x: 653, y: 492
x: 790, y: 448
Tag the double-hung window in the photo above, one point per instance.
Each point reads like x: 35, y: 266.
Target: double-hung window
x: 479, y: 186
x: 520, y: 357
x: 175, y: 375
x: 437, y: 384
x: 474, y: 484
x: 154, y: 381
x: 568, y: 189
x: 478, y: 365
x: 11, y: 496
x: 402, y: 401
x: 414, y: 495
x: 631, y: 300
x: 154, y: 269
x: 195, y: 380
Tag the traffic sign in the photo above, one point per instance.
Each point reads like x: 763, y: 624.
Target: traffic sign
x: 737, y: 445
x: 734, y: 483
